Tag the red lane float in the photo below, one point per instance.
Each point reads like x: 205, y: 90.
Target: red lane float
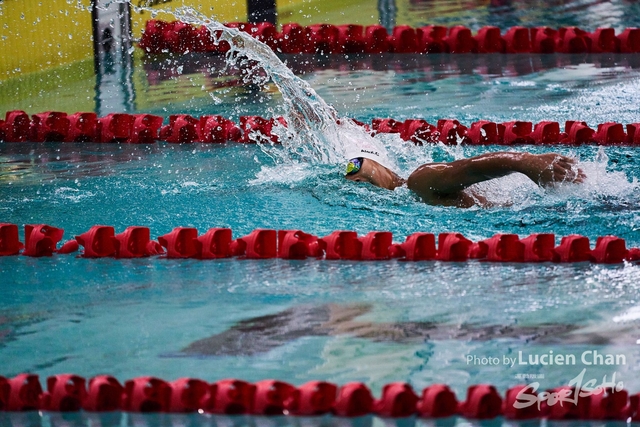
x: 177, y: 37
x: 184, y: 129
x: 437, y: 401
x: 69, y: 393
x: 184, y: 242
x: 312, y: 398
x: 10, y: 243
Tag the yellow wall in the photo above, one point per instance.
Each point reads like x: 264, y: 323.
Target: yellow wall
x: 222, y: 10
x: 337, y: 12
x: 37, y: 34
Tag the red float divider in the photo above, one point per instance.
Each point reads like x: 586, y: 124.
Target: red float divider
x: 49, y: 126
x: 177, y: 37
x: 354, y: 400
x: 296, y: 244
x: 342, y: 245
x: 404, y: 39
x: 103, y: 395
x: 543, y: 40
x: 146, y: 394
x: 515, y: 409
x: 65, y: 393
x: 182, y: 38
x: 218, y: 129
x: 633, y: 134
x: 398, y: 400
x: 187, y: 395
x: 270, y: 397
x: 484, y: 132
x: 460, y: 40
x: 98, y: 242
x: 608, y: 404
x: 181, y: 243
x: 41, y: 240
x: 256, y: 125
x: 230, y: 397
x: 451, y: 132
x: 376, y: 39
x: 267, y: 33
x: 632, y: 410
x: 322, y: 39
x: 375, y: 245
x: 144, y: 129
x: 609, y: 250
x: 69, y: 247
x: 516, y: 133
x: 610, y: 133
x: 387, y: 125
x: 546, y: 132
x: 629, y: 40
x: 453, y: 247
x: 603, y: 40
x: 16, y: 126
x: 437, y: 401
x: 259, y: 244
x: 22, y: 393
x: 182, y: 129
x: 489, y: 40
x: 351, y: 38
x: 633, y: 254
x: 573, y: 407
x: 577, y: 133
x: 292, y: 38
x: 83, y: 127
x: 132, y: 243
x: 115, y: 127
x: 312, y: 398
x: 571, y: 40
x: 416, y: 247
x: 431, y: 39
x: 152, y: 40
x: 573, y: 248
x: 418, y: 131
x: 483, y: 402
x: 539, y: 247
x: 499, y: 248
x: 10, y: 243
x: 215, y: 243
x: 517, y: 40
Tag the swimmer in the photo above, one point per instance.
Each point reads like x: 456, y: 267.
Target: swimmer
x: 448, y: 184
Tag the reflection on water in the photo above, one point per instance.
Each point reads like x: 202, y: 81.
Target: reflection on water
x: 26, y: 164
x: 587, y: 14
x: 465, y: 87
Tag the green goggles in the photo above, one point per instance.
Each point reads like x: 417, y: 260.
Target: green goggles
x: 354, y: 166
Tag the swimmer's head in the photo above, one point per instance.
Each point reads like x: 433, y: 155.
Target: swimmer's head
x: 362, y: 169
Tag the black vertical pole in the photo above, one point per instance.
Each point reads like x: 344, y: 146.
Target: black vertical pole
x: 96, y: 37
x: 262, y: 11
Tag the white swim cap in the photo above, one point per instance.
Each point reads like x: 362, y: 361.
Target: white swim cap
x: 366, y: 149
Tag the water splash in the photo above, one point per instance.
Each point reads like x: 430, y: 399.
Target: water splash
x: 315, y: 133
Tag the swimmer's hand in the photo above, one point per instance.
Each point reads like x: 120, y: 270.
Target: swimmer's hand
x: 550, y: 169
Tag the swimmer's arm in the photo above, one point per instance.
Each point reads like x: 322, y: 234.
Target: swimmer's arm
x: 436, y: 180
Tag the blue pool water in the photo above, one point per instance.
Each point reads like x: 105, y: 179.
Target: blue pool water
x: 389, y: 321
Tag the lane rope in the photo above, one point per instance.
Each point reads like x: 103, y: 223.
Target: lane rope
x: 101, y: 241
x: 18, y: 126
x: 326, y: 39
